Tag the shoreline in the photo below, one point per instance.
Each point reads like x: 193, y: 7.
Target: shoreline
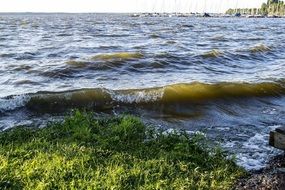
x: 200, y: 15
x: 271, y: 177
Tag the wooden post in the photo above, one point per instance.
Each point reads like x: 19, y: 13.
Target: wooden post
x: 277, y: 138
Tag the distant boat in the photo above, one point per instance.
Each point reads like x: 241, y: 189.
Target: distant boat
x: 250, y: 16
x: 237, y: 15
x: 135, y: 15
x: 259, y: 16
x: 273, y: 16
x: 206, y: 15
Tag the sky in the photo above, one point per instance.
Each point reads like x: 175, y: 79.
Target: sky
x: 126, y: 6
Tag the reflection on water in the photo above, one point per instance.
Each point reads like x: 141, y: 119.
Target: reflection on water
x: 222, y: 76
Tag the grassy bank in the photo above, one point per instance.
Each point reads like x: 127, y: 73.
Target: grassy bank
x: 116, y: 153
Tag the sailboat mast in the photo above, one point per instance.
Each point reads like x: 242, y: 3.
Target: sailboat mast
x: 269, y: 7
x: 278, y: 4
x: 236, y: 9
x: 163, y: 6
x: 219, y: 6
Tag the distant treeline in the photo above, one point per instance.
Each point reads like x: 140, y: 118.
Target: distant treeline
x: 272, y: 7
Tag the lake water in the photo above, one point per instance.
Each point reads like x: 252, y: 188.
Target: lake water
x: 224, y: 77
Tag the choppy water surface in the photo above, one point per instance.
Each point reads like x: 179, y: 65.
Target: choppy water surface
x: 223, y: 77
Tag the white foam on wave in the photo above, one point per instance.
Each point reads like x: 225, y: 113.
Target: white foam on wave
x: 255, y: 153
x: 229, y: 144
x: 255, y: 142
x: 11, y: 103
x: 197, y: 133
x: 273, y: 127
x: 137, y: 96
x: 10, y: 123
x: 251, y: 163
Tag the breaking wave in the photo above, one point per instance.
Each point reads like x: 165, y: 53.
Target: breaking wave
x: 13, y: 102
x: 100, y: 98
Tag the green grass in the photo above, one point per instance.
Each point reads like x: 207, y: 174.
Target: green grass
x: 83, y: 152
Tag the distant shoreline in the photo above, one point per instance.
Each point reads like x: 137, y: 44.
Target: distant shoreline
x: 146, y: 14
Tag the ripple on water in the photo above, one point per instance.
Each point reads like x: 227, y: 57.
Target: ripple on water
x: 23, y: 67
x: 212, y: 54
x: 219, y: 38
x: 25, y: 82
x: 259, y: 48
x: 25, y: 56
x: 106, y: 61
x: 77, y: 64
x: 118, y: 56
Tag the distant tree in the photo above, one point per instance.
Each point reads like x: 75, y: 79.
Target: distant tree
x: 272, y: 7
x: 272, y: 2
x: 264, y: 9
x: 230, y: 11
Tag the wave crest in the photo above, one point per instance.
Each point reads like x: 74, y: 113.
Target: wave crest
x: 99, y: 98
x: 212, y: 54
x: 117, y: 56
x: 13, y: 102
x: 260, y: 48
